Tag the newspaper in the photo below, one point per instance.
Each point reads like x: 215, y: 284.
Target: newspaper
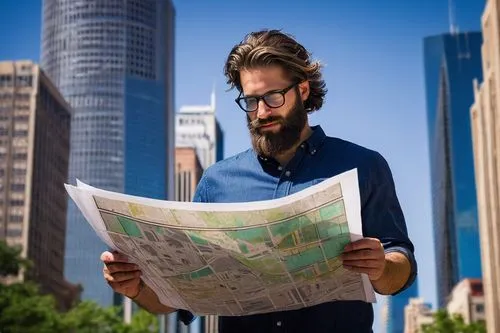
x: 237, y: 258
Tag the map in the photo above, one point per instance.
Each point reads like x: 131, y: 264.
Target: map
x: 237, y: 258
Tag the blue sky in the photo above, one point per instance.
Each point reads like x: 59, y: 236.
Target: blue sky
x: 372, y: 51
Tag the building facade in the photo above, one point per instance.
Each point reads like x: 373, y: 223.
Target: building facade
x: 113, y: 61
x: 34, y: 158
x: 452, y: 62
x: 197, y: 126
x: 416, y: 314
x: 198, y: 133
x: 188, y: 172
x: 485, y: 119
x: 467, y: 300
x: 396, y: 309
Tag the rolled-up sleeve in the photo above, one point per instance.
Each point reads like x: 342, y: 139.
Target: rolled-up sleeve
x: 382, y: 215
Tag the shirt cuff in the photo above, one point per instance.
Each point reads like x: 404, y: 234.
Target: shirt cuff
x: 185, y: 316
x: 413, y: 264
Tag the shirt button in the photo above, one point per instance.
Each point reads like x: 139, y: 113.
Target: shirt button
x: 302, y: 145
x: 288, y: 173
x: 313, y: 152
x: 280, y: 168
x: 278, y: 323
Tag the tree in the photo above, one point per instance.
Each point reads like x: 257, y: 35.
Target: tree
x: 142, y: 322
x: 10, y: 260
x: 24, y: 309
x: 444, y: 323
x: 89, y: 317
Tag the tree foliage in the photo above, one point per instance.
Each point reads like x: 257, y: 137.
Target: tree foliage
x: 446, y: 323
x: 24, y: 309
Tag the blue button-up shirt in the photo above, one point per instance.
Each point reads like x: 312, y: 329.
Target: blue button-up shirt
x: 249, y: 177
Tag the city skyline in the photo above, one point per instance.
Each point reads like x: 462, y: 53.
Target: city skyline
x: 391, y: 115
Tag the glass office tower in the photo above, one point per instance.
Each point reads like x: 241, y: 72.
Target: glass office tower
x: 113, y: 61
x: 451, y: 62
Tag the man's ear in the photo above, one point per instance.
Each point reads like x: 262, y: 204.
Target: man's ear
x: 304, y: 90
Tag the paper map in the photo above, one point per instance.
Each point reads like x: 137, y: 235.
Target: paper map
x: 237, y: 258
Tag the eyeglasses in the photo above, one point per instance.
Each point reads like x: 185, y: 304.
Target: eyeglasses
x: 273, y: 99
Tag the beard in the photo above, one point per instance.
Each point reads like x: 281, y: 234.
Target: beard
x: 270, y: 144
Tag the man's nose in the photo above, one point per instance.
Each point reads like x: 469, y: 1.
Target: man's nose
x: 263, y: 111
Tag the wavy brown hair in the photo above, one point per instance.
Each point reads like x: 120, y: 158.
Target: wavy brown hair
x: 273, y: 47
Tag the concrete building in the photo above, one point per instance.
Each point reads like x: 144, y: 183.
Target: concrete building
x: 188, y: 172
x: 197, y: 126
x: 451, y: 62
x: 396, y: 309
x: 485, y: 118
x: 416, y: 314
x: 198, y: 133
x: 34, y: 154
x: 113, y: 61
x: 467, y: 300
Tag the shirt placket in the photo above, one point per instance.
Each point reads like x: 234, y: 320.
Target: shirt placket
x: 287, y: 173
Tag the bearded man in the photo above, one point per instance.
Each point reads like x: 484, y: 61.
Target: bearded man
x: 279, y: 85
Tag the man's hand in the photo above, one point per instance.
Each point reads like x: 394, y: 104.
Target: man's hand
x: 365, y: 256
x: 122, y: 276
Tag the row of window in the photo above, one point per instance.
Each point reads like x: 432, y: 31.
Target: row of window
x: 12, y: 202
x: 191, y: 121
x: 18, y: 96
x: 20, y: 81
x: 16, y: 133
x: 16, y: 171
x: 18, y: 118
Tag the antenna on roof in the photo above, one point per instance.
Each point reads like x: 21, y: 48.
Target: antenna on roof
x: 451, y: 17
x: 212, y: 97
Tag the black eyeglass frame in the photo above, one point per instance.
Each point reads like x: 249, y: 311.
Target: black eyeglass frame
x: 263, y: 97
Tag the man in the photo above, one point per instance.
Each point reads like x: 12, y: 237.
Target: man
x: 278, y: 86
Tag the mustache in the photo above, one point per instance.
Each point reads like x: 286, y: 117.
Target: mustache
x: 254, y: 124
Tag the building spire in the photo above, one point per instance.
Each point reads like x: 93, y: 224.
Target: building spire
x: 212, y: 98
x: 451, y: 17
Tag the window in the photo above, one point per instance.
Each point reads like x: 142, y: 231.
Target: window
x: 14, y: 232
x: 17, y: 187
x: 480, y: 308
x: 16, y: 218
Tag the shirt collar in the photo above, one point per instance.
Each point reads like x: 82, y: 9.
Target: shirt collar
x: 315, y: 140
x: 312, y: 144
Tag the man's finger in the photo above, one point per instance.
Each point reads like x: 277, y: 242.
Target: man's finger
x: 123, y: 276
x: 364, y: 243
x: 362, y: 263
x: 361, y: 254
x: 114, y: 267
x: 120, y: 286
x: 365, y: 270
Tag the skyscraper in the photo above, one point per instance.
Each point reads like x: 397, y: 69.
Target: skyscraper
x: 34, y: 154
x: 451, y: 62
x: 113, y: 61
x: 396, y: 309
x: 197, y: 126
x: 486, y: 134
